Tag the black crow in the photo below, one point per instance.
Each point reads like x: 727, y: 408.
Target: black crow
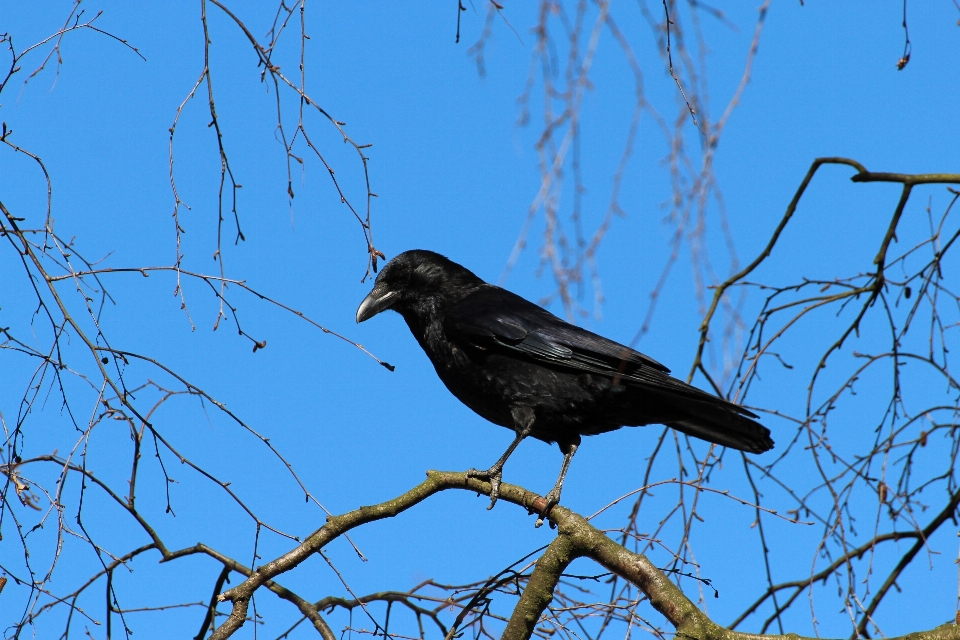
x: 521, y: 367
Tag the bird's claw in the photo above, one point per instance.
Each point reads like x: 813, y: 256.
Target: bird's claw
x: 493, y: 476
x: 551, y: 500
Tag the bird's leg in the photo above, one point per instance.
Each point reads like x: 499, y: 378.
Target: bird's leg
x: 568, y: 448
x: 523, y: 419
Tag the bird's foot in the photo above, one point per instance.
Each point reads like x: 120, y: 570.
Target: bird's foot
x: 493, y: 475
x: 551, y: 499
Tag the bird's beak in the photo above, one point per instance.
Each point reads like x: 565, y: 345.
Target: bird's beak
x: 380, y: 299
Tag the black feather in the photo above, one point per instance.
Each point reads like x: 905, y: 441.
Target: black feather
x: 504, y: 357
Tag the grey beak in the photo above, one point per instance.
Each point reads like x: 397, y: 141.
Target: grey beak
x: 376, y: 301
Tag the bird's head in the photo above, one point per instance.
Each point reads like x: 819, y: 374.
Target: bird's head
x: 417, y: 282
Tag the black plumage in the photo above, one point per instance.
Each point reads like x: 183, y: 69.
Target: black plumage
x: 521, y: 367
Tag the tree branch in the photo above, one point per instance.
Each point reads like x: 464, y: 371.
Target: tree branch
x: 539, y: 592
x: 576, y: 538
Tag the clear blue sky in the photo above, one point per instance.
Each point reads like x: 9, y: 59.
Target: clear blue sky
x: 454, y: 173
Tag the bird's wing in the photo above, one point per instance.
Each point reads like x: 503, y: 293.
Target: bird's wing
x: 496, y: 320
x: 495, y: 317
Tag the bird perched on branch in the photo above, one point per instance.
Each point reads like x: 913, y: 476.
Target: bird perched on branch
x: 521, y: 367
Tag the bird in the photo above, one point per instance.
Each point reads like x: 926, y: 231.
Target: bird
x: 521, y: 367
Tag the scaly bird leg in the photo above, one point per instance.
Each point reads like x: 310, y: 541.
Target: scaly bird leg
x: 523, y: 417
x: 568, y: 448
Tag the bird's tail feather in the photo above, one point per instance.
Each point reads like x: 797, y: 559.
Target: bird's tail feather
x: 721, y: 422
x: 753, y: 439
x: 726, y: 428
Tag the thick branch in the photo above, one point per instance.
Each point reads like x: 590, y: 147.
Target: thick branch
x: 338, y: 525
x: 576, y: 538
x: 539, y: 592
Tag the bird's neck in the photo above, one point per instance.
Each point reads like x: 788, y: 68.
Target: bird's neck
x: 423, y: 319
